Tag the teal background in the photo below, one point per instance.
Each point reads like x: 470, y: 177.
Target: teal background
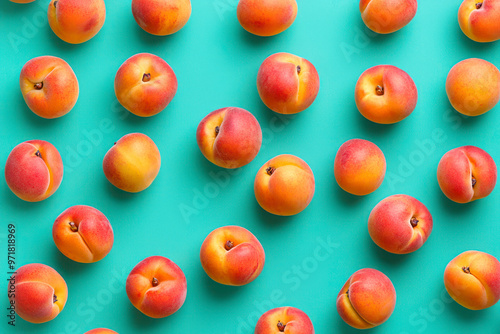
x: 216, y: 63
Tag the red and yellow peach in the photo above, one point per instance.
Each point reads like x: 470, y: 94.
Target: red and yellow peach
x: 479, y: 19
x: 161, y: 17
x: 288, y: 320
x: 387, y: 16
x: 266, y: 17
x: 101, y: 331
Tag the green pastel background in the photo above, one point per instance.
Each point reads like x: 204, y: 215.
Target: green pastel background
x: 308, y: 256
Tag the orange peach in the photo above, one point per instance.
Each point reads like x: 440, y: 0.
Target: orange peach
x: 34, y: 170
x: 359, y: 167
x: 145, y: 84
x: 161, y: 17
x: 466, y: 174
x: 232, y: 255
x: 157, y: 287
x: 289, y: 320
x: 473, y: 86
x: 385, y: 94
x: 132, y: 163
x: 266, y: 17
x: 101, y: 331
x: 37, y: 292
x: 285, y: 185
x: 83, y: 234
x: 473, y: 280
x: 22, y: 1
x: 400, y: 224
x: 387, y: 16
x: 229, y: 137
x: 367, y: 299
x: 479, y: 19
x: 76, y: 21
x: 287, y: 84
x: 49, y: 86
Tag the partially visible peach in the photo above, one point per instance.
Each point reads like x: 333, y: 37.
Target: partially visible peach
x: 101, y: 331
x: 387, y: 16
x: 22, y: 1
x: 289, y: 320
x: 266, y: 17
x: 161, y: 17
x: 479, y: 19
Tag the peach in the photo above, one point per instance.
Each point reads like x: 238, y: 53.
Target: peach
x: 289, y: 320
x: 359, y: 167
x: 76, y: 21
x: 473, y: 280
x: 367, y: 299
x: 473, y: 86
x: 479, y: 19
x: 387, y: 16
x: 83, y: 234
x: 132, y: 163
x: 287, y: 84
x: 385, y: 94
x: 145, y: 84
x: 400, y: 224
x: 466, y: 174
x: 34, y: 170
x: 266, y: 17
x: 49, y: 86
x: 37, y: 292
x: 22, y: 1
x: 101, y: 331
x: 157, y: 287
x: 284, y: 185
x: 229, y: 137
x: 161, y: 17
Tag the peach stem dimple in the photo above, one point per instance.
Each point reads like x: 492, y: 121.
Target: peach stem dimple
x: 55, y: 4
x: 379, y: 90
x: 281, y: 326
x: 479, y: 5
x: 73, y: 227
x: 38, y: 85
x: 474, y: 181
x: 217, y: 130
x: 414, y: 222
x: 466, y: 270
x: 54, y: 299
x: 299, y: 69
x: 229, y: 245
x: 270, y: 170
x: 154, y: 282
x: 146, y: 77
x: 38, y: 154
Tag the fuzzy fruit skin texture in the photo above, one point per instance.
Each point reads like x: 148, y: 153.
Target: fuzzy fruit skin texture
x: 387, y: 16
x: 237, y: 265
x: 480, y: 25
x: 266, y: 17
x: 22, y: 1
x: 473, y: 280
x: 295, y: 321
x: 101, y: 331
x: 161, y: 17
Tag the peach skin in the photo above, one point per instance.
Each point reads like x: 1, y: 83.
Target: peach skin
x: 157, y: 287
x: 473, y: 86
x: 385, y: 94
x: 38, y: 292
x: 473, y: 280
x: 83, y: 234
x: 479, y: 19
x: 132, y: 163
x: 466, y: 174
x: 49, y: 86
x: 229, y: 137
x: 145, y: 84
x: 288, y: 320
x: 34, y: 170
x: 76, y: 21
x: 287, y: 84
x: 367, y: 299
x: 359, y: 167
x: 22, y: 1
x: 101, y: 331
x: 161, y: 17
x: 266, y: 17
x: 400, y: 224
x: 232, y: 255
x: 387, y: 16
x: 285, y: 185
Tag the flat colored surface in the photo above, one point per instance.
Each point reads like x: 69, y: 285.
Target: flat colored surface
x: 309, y: 256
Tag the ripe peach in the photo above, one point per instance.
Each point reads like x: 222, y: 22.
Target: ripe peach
x: 145, y: 84
x: 400, y: 224
x: 38, y: 292
x: 157, y: 287
x: 285, y: 185
x: 49, y: 86
x: 359, y: 167
x: 76, y: 21
x: 473, y: 86
x: 367, y: 299
x: 229, y: 137
x: 232, y: 255
x: 161, y: 17
x: 83, y: 234
x: 132, y: 163
x: 266, y: 17
x: 101, y: 331
x: 34, y: 170
x: 387, y: 16
x: 385, y: 94
x: 290, y: 320
x: 479, y: 19
x: 287, y: 84
x: 22, y: 1
x: 473, y: 280
x: 466, y: 174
